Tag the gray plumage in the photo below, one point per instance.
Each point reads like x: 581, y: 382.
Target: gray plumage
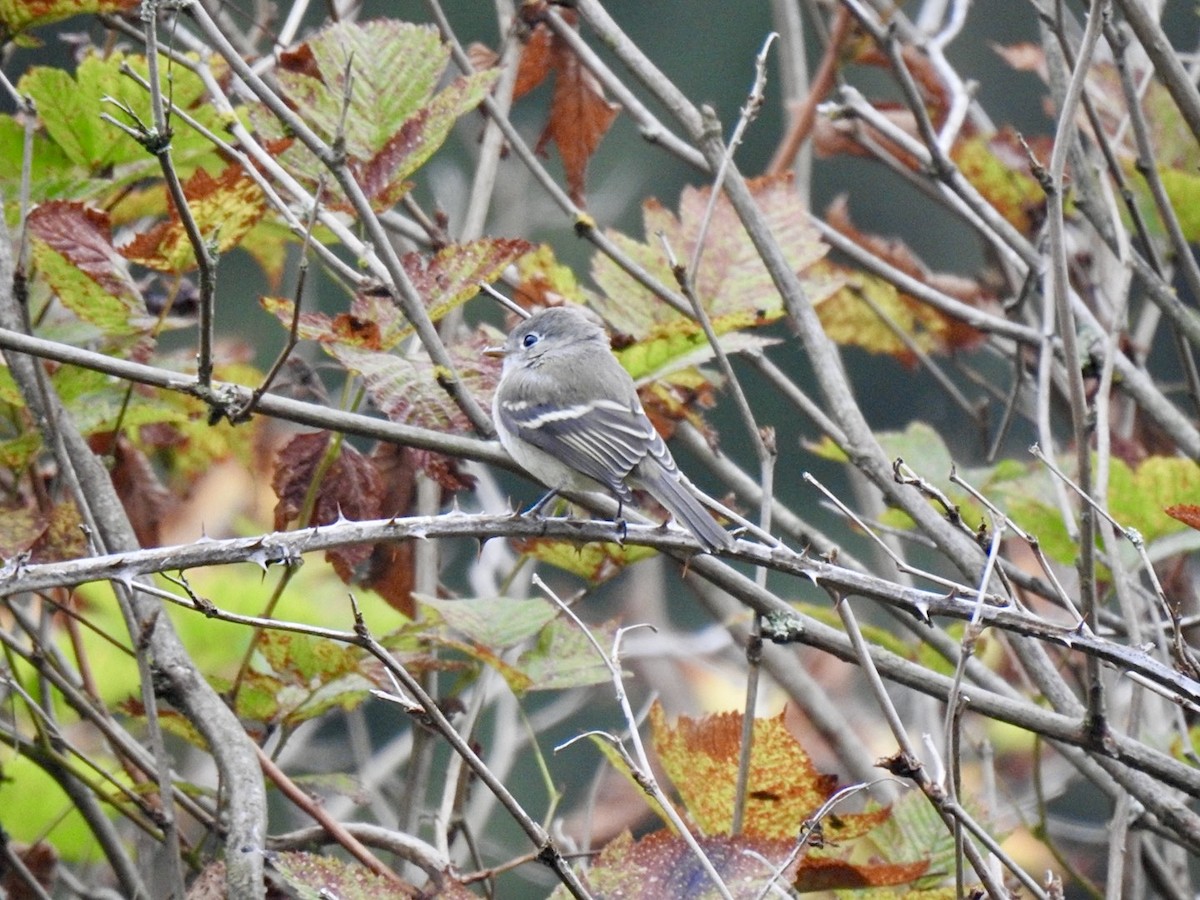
x: 570, y: 415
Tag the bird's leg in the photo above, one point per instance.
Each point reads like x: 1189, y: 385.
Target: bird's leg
x: 536, y: 509
x: 619, y: 521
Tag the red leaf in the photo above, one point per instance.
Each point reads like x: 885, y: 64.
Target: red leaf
x: 389, y: 572
x: 580, y: 115
x: 536, y: 61
x: 83, y: 236
x: 145, y: 498
x: 377, y: 176
x: 350, y: 487
x: 1187, y: 513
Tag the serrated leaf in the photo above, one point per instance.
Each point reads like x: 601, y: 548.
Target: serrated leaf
x: 394, y: 122
x: 785, y: 788
x: 498, y: 622
x: 445, y: 281
x: 224, y: 209
x: 19, y: 15
x: 307, y: 677
x: 596, y: 561
x: 564, y: 658
x: 451, y: 276
x: 579, y: 115
x: 382, y: 177
x: 545, y: 281
x: 72, y: 246
x: 349, y: 487
x: 406, y: 389
x: 69, y: 109
x: 732, y: 282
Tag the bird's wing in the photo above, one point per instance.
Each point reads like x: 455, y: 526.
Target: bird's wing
x: 603, y: 439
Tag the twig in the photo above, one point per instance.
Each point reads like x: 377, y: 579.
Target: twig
x: 907, y: 764
x: 297, y: 297
x: 639, y: 763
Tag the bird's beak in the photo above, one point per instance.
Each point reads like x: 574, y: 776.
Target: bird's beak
x: 493, y: 351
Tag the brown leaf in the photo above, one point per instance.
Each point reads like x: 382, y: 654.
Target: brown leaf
x: 389, y: 571
x: 824, y: 874
x: 301, y: 61
x: 40, y: 860
x: 350, y: 487
x: 481, y: 56
x: 350, y: 329
x: 536, y: 60
x: 949, y: 333
x: 83, y: 236
x: 1024, y: 57
x: 580, y: 115
x: 62, y: 538
x: 224, y: 208
x: 1187, y: 513
x: 145, y: 498
x: 853, y: 137
x: 20, y: 527
x: 929, y: 83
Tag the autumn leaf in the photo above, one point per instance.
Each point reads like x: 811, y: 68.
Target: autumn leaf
x: 348, y: 486
x: 732, y: 283
x: 407, y: 389
x: 394, y: 121
x: 224, y: 208
x: 701, y: 757
x: 579, y: 114
x: 445, y: 281
x: 1187, y: 513
x: 298, y: 677
x: 145, y: 499
x: 595, y: 561
x: 868, y: 312
x: 79, y: 155
x: 389, y: 571
x: 557, y: 654
x: 663, y: 864
x: 73, y: 251
x: 20, y: 15
x: 62, y: 537
x: 1000, y: 168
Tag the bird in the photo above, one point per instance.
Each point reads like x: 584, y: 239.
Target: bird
x: 569, y: 414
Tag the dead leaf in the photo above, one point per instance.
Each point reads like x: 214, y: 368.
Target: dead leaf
x: 349, y: 488
x: 580, y: 115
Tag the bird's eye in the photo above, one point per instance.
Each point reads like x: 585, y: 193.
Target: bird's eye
x: 529, y: 340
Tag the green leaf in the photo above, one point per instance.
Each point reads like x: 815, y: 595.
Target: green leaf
x: 498, y: 622
x: 307, y: 676
x: 394, y: 121
x: 1183, y: 189
x: 564, y: 657
x: 72, y: 250
x: 595, y: 561
x: 19, y: 15
x: 69, y: 109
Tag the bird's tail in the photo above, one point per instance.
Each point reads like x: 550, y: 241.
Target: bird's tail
x: 676, y: 494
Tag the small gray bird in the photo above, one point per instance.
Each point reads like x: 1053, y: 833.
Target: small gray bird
x: 569, y: 413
